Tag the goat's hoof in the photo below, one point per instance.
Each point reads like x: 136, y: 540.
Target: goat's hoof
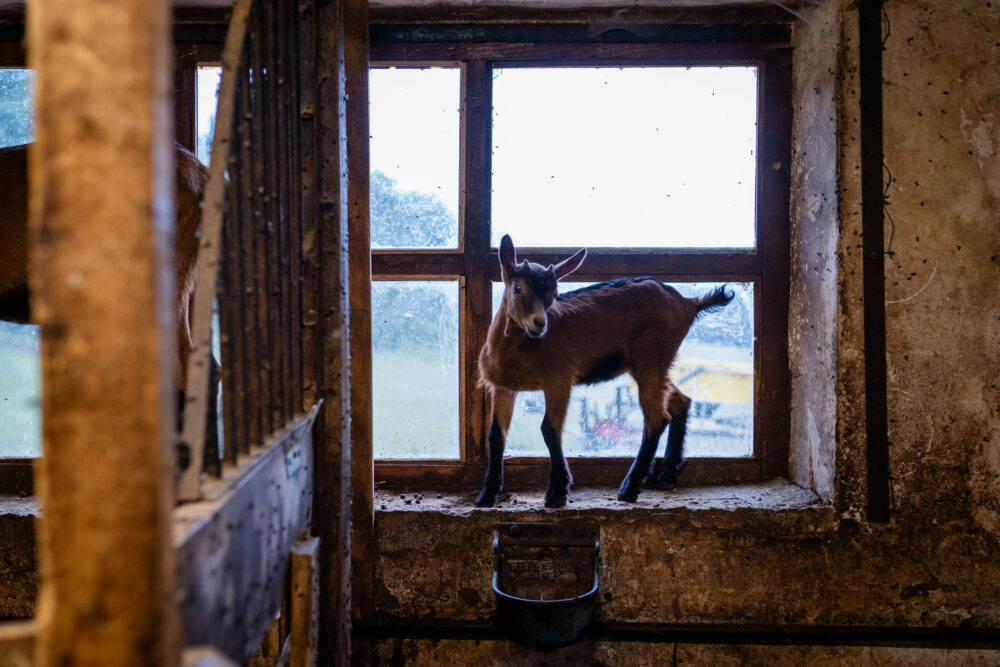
x: 667, y: 479
x: 486, y: 499
x: 628, y: 494
x: 555, y: 499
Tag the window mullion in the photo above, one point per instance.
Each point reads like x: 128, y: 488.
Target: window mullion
x: 474, y: 220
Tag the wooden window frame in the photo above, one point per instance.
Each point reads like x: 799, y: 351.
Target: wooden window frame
x: 474, y: 262
x: 16, y: 474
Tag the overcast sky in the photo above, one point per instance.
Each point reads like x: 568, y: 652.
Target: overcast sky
x: 586, y: 156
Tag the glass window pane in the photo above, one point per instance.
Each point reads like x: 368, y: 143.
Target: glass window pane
x: 714, y: 367
x: 414, y: 125
x: 207, y: 82
x: 634, y: 157
x: 20, y: 382
x: 17, y: 122
x: 415, y: 369
x: 20, y: 389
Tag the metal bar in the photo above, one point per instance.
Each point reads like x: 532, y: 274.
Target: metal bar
x: 876, y: 410
x: 200, y: 360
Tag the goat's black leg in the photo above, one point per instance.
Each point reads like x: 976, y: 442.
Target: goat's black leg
x: 629, y: 490
x: 556, y: 404
x: 559, y: 477
x: 673, y: 459
x: 493, y: 481
x: 503, y: 410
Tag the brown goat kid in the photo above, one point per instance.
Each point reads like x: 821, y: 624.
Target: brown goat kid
x: 190, y: 177
x: 541, y: 341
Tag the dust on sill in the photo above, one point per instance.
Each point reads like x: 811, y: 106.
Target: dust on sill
x: 776, y: 498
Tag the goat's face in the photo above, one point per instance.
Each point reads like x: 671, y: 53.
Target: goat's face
x: 529, y: 288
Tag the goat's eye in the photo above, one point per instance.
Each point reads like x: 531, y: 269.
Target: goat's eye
x: 517, y: 290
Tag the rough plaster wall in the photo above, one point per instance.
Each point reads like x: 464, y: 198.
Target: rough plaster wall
x: 938, y: 562
x: 410, y: 653
x: 942, y: 145
x: 813, y: 271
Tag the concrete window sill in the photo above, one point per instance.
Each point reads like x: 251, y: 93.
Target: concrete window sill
x: 777, y: 501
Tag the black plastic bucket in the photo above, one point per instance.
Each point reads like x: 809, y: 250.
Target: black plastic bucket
x: 545, y: 578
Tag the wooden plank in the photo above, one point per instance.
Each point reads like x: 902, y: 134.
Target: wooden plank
x: 100, y: 235
x: 477, y: 124
x: 185, y: 98
x: 333, y: 452
x: 17, y: 643
x: 304, y: 635
x: 17, y: 477
x: 198, y: 393
x: 683, y: 263
x: 611, y: 55
x: 362, y: 480
x: 233, y: 547
x: 773, y: 380
x: 259, y: 167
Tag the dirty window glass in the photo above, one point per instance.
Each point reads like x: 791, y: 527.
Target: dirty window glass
x: 17, y: 122
x: 207, y: 82
x: 414, y: 127
x: 20, y: 379
x: 625, y: 157
x: 415, y: 369
x: 714, y: 367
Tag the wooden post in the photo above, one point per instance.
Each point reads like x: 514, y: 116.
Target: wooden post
x: 362, y: 469
x: 305, y: 604
x: 328, y: 259
x: 101, y: 237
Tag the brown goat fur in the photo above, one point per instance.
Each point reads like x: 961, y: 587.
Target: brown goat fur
x: 191, y: 177
x: 541, y: 341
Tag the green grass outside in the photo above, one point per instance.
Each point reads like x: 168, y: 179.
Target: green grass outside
x: 20, y: 388
x: 415, y: 405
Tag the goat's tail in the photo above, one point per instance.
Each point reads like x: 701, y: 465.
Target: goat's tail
x: 714, y: 300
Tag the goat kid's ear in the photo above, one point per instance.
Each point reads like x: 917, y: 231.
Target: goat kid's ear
x: 570, y: 264
x: 507, y: 257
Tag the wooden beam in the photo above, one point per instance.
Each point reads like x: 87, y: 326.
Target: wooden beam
x: 304, y: 635
x: 17, y: 643
x: 101, y: 238
x: 362, y: 470
x: 233, y: 548
x: 329, y: 259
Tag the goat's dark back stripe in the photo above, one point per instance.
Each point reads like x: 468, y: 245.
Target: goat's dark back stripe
x: 610, y: 284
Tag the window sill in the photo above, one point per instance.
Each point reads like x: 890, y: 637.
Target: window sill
x: 17, y: 506
x: 777, y: 501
